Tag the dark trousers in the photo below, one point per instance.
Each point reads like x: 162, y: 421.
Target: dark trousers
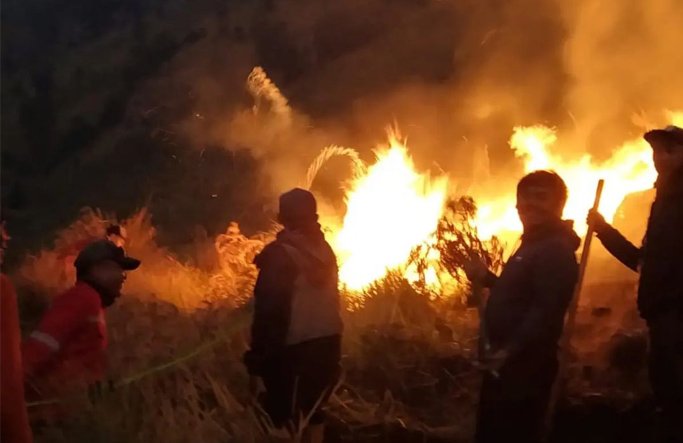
x: 666, y: 372
x: 299, y: 382
x: 512, y: 407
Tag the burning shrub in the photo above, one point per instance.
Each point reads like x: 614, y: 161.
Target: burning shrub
x: 458, y: 239
x: 236, y: 254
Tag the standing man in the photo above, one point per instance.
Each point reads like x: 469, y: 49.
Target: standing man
x: 14, y: 427
x: 525, y: 314
x: 296, y: 330
x: 660, y: 260
x: 68, y: 349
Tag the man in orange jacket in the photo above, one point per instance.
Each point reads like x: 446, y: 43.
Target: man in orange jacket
x: 68, y: 349
x: 14, y: 427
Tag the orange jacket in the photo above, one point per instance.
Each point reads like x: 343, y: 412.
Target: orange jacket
x: 69, y: 346
x: 14, y: 427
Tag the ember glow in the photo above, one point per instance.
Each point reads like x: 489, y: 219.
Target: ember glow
x: 390, y: 210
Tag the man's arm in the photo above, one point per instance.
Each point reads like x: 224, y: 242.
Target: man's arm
x: 617, y: 245
x: 554, y: 279
x: 489, y: 280
x: 272, y: 306
x: 477, y: 271
x: 67, y: 314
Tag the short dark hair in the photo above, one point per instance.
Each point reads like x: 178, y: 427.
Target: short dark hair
x: 547, y: 180
x: 298, y: 208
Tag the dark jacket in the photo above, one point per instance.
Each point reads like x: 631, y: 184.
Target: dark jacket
x: 526, y: 308
x: 277, y: 284
x: 660, y: 258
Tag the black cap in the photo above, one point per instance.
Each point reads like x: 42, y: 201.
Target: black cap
x: 670, y: 134
x: 101, y: 250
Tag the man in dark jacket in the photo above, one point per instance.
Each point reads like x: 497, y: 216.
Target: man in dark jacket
x: 660, y: 293
x: 296, y: 330
x: 525, y: 313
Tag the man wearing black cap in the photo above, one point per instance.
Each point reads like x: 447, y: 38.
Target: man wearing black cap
x: 69, y: 345
x: 660, y: 261
x: 296, y: 330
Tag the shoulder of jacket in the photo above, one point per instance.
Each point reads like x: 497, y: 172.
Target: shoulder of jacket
x: 557, y: 248
x: 81, y: 294
x: 274, y: 254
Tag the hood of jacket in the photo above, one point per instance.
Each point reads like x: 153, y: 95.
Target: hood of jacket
x: 315, y: 258
x: 557, y: 228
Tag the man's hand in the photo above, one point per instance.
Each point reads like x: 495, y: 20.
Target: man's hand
x: 255, y: 386
x: 495, y: 362
x: 475, y: 269
x: 596, y: 220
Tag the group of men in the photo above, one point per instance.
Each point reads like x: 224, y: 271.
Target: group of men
x: 525, y: 312
x: 296, y: 332
x: 296, y: 329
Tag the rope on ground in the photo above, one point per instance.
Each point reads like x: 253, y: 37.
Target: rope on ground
x: 238, y: 322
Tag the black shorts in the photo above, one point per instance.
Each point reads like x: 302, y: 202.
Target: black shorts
x: 299, y: 383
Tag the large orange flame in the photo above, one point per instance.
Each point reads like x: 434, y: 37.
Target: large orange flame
x: 390, y: 210
x: 630, y: 169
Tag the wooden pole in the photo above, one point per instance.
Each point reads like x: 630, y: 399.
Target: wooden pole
x: 483, y: 345
x: 565, y: 341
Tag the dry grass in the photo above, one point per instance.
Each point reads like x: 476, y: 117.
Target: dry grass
x: 262, y: 88
x: 328, y: 153
x: 197, y: 321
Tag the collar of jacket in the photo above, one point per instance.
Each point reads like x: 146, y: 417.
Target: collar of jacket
x: 305, y: 237
x: 106, y: 297
x: 310, y: 241
x: 672, y: 187
x: 564, y: 228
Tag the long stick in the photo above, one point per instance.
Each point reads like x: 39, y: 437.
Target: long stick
x: 478, y: 293
x: 559, y: 384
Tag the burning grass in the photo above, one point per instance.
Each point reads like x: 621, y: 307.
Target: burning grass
x: 178, y: 335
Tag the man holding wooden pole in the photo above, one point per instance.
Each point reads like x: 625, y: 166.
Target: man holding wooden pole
x: 525, y: 314
x: 660, y: 262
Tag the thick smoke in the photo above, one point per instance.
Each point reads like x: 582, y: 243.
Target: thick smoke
x: 624, y: 60
x: 454, y: 76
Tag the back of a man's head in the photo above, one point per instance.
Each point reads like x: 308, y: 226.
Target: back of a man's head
x: 298, y: 208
